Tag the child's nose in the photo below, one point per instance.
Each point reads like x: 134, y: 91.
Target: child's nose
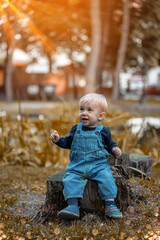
x: 84, y: 112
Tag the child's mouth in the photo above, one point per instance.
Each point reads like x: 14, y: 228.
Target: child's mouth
x: 84, y: 119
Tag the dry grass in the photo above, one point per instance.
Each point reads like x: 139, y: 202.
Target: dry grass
x: 26, y: 141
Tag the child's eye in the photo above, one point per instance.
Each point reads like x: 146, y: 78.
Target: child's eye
x: 89, y: 109
x: 81, y: 109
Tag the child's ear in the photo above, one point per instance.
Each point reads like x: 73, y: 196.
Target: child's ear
x: 101, y: 116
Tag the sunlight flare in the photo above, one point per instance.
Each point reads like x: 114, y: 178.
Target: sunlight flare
x: 9, y: 32
x: 35, y: 30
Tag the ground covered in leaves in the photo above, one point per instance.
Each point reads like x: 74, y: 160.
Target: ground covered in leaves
x: 23, y: 192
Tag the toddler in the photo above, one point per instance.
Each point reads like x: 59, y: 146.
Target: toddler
x: 90, y: 144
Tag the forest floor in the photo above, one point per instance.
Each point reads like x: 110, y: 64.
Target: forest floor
x: 23, y: 192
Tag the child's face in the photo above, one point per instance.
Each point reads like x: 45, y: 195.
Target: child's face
x: 90, y: 114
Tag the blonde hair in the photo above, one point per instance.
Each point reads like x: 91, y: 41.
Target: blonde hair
x: 99, y: 98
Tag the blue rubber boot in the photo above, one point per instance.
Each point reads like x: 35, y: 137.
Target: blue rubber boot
x: 113, y: 212
x: 71, y: 212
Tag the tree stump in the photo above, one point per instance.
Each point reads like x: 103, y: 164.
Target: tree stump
x: 91, y: 201
x: 134, y: 164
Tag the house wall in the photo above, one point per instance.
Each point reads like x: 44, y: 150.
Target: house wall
x: 21, y: 81
x: 66, y: 85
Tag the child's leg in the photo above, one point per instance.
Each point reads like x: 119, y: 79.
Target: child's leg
x: 106, y: 183
x: 74, y: 184
x: 72, y: 201
x: 108, y: 191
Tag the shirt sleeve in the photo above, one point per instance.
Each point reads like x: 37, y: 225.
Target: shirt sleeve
x: 109, y: 143
x: 65, y: 142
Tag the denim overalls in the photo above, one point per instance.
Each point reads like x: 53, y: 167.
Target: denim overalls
x: 88, y: 160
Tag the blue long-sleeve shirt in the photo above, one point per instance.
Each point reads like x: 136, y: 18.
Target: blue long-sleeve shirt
x: 108, y: 142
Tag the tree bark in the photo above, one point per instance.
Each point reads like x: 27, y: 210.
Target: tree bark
x: 106, y: 23
x: 10, y: 40
x: 8, y: 72
x: 91, y: 71
x: 122, y: 50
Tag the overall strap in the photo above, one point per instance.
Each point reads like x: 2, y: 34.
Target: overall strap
x: 97, y: 132
x: 99, y: 128
x: 79, y: 126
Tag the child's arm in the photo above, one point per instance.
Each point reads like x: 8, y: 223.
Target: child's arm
x: 111, y: 145
x: 117, y: 151
x: 63, y: 142
x: 55, y: 137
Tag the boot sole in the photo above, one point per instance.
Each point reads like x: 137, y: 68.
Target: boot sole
x: 114, y: 216
x: 68, y: 215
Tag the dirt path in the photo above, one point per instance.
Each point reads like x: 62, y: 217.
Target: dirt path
x: 147, y: 108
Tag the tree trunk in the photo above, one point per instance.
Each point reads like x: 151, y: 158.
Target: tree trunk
x: 49, y: 60
x: 10, y: 40
x: 8, y: 72
x: 122, y: 50
x: 106, y: 21
x: 91, y: 71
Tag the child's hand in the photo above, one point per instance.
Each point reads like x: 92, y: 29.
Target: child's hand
x: 55, y: 137
x: 117, y: 151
